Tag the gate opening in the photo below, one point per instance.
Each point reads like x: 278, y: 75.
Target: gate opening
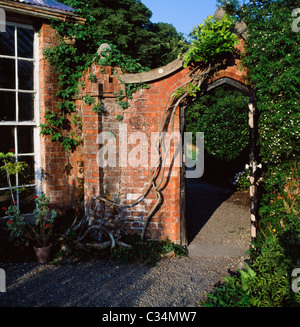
x: 216, y: 206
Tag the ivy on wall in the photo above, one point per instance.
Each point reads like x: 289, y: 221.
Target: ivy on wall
x: 211, y: 41
x: 70, y: 62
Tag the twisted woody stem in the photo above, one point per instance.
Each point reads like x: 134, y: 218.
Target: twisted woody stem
x: 157, y: 173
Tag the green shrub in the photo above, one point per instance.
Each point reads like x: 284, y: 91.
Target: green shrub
x: 266, y: 284
x: 271, y: 286
x: 242, y: 180
x: 148, y: 252
x: 229, y: 293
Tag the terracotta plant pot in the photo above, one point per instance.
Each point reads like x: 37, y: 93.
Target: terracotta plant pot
x: 43, y: 253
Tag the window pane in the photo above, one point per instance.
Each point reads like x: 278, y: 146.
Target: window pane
x: 7, y: 139
x: 25, y: 43
x: 7, y: 73
x: 27, y: 176
x: 25, y: 139
x: 26, y: 106
x: 25, y: 75
x: 7, y: 42
x: 7, y: 106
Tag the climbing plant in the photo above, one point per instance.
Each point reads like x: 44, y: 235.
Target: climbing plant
x: 211, y: 41
x: 70, y: 62
x: 204, y: 62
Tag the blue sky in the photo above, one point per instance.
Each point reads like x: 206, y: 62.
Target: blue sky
x: 182, y: 14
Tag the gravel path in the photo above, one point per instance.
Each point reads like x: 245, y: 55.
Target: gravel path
x: 179, y: 282
x: 218, y: 221
x: 176, y: 282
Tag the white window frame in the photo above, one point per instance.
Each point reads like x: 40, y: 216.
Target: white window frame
x: 35, y: 123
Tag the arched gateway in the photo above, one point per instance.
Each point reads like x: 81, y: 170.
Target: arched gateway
x: 131, y: 133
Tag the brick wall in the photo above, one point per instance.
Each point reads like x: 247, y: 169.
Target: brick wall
x: 62, y: 178
x: 85, y: 178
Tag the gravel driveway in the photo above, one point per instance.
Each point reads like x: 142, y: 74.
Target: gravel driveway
x: 179, y: 282
x: 176, y: 282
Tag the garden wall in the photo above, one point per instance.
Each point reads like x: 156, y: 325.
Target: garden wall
x: 61, y: 172
x: 71, y: 177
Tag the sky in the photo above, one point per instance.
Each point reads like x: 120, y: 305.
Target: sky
x: 184, y: 15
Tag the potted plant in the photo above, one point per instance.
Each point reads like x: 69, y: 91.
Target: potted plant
x: 39, y: 231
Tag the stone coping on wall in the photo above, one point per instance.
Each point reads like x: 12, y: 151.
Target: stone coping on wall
x: 154, y: 74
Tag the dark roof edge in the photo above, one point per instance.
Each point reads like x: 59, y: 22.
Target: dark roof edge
x: 39, y: 11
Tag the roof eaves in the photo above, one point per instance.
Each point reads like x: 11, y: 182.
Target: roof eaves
x: 39, y: 11
x: 48, y: 3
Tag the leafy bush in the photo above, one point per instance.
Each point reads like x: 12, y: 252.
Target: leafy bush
x: 272, y: 59
x: 271, y: 287
x: 229, y: 293
x: 280, y: 204
x: 222, y: 115
x: 266, y: 284
x: 211, y: 41
x: 242, y: 181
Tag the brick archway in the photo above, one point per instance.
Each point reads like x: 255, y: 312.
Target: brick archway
x: 126, y: 183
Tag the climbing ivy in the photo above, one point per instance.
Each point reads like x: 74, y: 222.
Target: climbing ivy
x: 211, y: 41
x: 70, y: 62
x: 212, y: 44
x: 123, y: 97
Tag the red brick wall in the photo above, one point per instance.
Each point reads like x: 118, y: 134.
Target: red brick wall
x: 124, y: 183
x: 144, y: 114
x: 62, y: 178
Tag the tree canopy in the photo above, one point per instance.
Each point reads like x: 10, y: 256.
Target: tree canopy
x: 127, y: 24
